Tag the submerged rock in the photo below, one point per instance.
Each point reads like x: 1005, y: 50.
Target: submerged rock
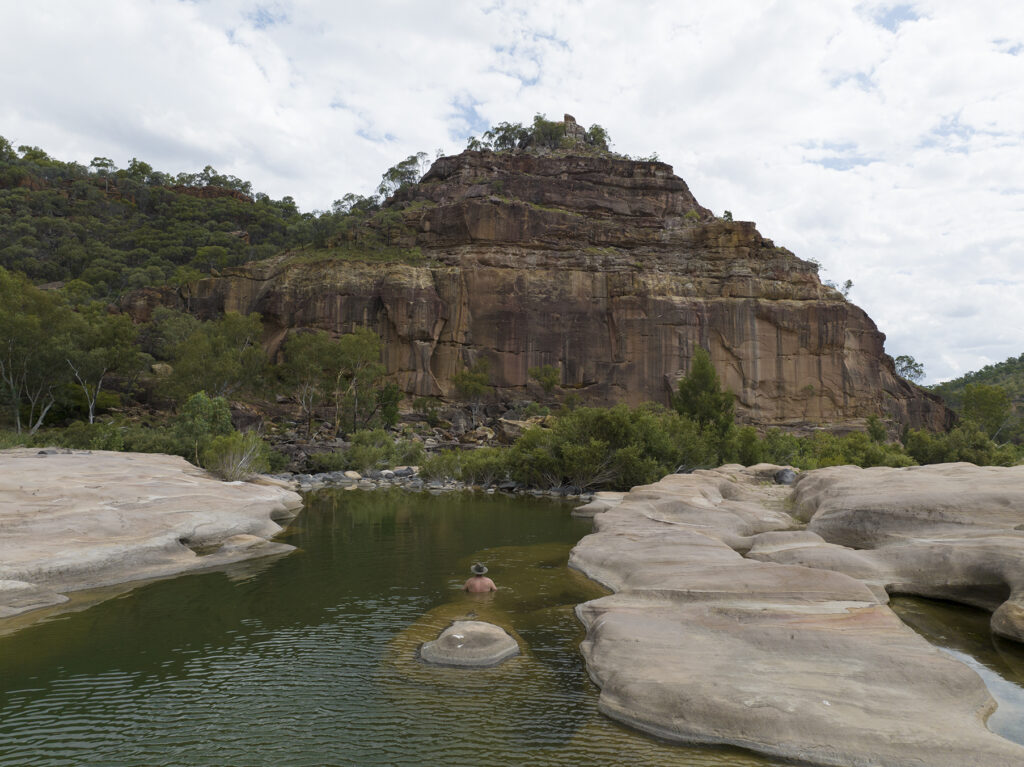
x: 703, y: 645
x: 476, y: 644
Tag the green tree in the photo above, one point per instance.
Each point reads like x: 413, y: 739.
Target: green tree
x: 312, y: 362
x: 402, y: 174
x: 35, y: 340
x: 104, y: 345
x: 221, y: 357
x: 700, y: 397
x: 474, y: 383
x: 909, y: 368
x: 200, y: 419
x: 104, y: 166
x: 548, y: 376
x: 987, y: 406
x: 358, y: 376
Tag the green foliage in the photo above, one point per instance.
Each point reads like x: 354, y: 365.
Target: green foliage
x: 166, y: 330
x: 115, y: 230
x: 376, y: 449
x: 1008, y: 374
x: 482, y: 466
x: 201, y: 419
x: 473, y: 383
x: 104, y: 346
x: 988, y: 406
x: 236, y: 456
x: 84, y: 436
x: 402, y: 174
x: 428, y: 406
x: 357, y: 386
x: 36, y: 339
x: 876, y: 429
x: 326, y: 462
x: 9, y: 439
x: 986, y: 403
x: 541, y: 135
x: 909, y: 368
x: 311, y: 364
x: 700, y: 397
x: 614, y: 447
x: 221, y: 356
x: 548, y: 376
x: 966, y: 442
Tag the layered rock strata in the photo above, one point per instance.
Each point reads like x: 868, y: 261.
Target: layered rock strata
x: 700, y: 644
x: 82, y: 520
x: 606, y: 268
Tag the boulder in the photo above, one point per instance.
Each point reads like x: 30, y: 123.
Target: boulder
x: 701, y: 644
x: 946, y: 531
x: 75, y: 520
x: 469, y: 643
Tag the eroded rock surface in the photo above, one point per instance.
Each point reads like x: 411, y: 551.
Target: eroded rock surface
x: 608, y: 269
x: 700, y: 644
x: 474, y: 644
x: 73, y: 520
x: 947, y: 531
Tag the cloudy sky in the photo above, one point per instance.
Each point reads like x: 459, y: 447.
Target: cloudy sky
x: 882, y: 139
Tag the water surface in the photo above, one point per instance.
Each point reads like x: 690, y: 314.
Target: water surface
x: 309, y: 659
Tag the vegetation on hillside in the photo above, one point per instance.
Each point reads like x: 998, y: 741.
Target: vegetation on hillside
x: 107, y: 230
x: 76, y: 373
x: 992, y: 397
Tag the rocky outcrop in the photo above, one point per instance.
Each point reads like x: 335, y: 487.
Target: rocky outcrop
x: 608, y: 269
x: 82, y: 520
x: 701, y: 644
x: 470, y: 644
x: 945, y: 531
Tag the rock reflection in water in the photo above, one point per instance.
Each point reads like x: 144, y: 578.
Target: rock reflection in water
x: 964, y: 633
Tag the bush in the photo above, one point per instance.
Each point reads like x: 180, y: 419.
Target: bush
x: 613, y: 448
x: 9, y: 439
x: 482, y: 466
x: 80, y: 435
x: 201, y: 419
x: 236, y: 456
x: 371, y: 449
x: 325, y: 462
x: 966, y: 442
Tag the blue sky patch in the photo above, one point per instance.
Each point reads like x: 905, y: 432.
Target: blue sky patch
x: 892, y: 16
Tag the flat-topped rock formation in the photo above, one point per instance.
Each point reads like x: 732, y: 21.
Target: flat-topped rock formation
x: 946, y: 531
x: 803, y: 660
x: 606, y: 268
x: 74, y: 520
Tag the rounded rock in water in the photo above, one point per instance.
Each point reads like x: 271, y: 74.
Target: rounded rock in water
x: 475, y: 644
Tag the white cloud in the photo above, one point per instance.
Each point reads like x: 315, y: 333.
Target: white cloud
x: 881, y: 138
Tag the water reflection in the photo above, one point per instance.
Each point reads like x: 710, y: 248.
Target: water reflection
x: 310, y: 659
x: 964, y: 633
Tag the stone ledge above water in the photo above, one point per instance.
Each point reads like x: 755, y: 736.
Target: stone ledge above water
x: 793, y: 657
x: 75, y: 520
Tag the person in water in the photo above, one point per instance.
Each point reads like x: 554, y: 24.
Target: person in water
x: 479, y: 583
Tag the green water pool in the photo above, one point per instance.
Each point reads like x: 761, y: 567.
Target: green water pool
x: 309, y: 658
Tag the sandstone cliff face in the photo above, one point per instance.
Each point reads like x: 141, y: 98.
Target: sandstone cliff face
x: 608, y: 269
